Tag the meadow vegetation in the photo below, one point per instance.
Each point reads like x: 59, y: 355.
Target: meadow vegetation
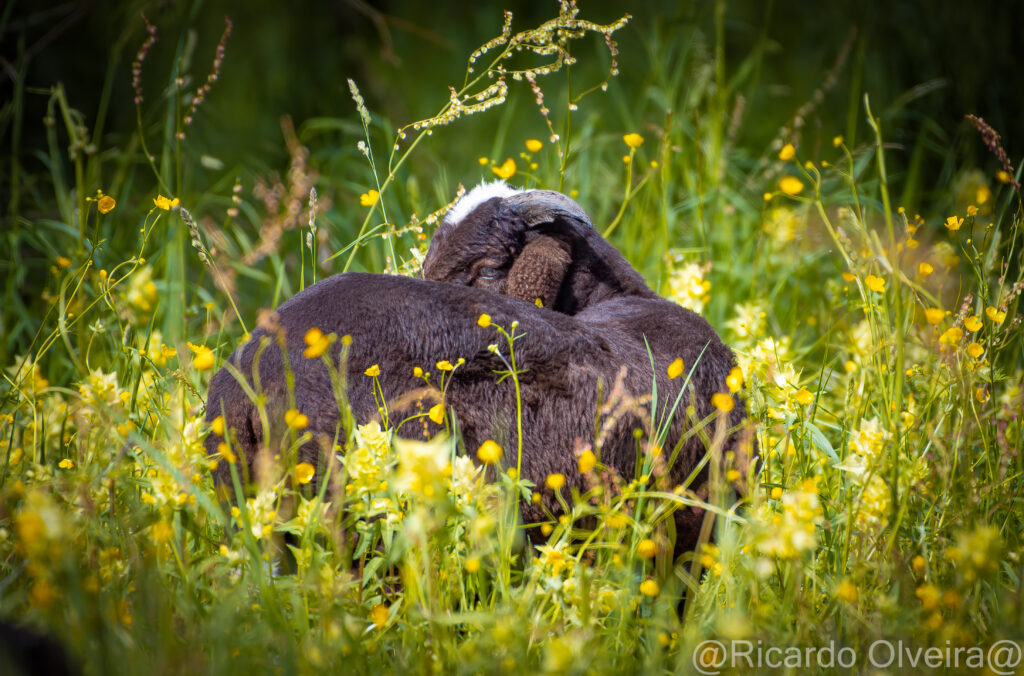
x: 875, y: 319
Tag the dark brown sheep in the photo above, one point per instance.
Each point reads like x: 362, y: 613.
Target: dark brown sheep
x: 594, y: 330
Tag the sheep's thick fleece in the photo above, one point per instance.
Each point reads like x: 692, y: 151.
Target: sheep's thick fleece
x: 596, y: 333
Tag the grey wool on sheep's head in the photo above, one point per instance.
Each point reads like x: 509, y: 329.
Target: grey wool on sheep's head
x: 535, y: 245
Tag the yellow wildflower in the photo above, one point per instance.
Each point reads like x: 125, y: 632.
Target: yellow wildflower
x: 951, y: 336
x: 804, y: 396
x: 734, y: 380
x: 472, y: 565
x: 369, y: 198
x: 217, y: 426
x: 787, y: 153
x: 296, y: 420
x: 675, y: 369
x: 586, y: 461
x: 1003, y: 176
x: 849, y: 277
x: 316, y: 343
x: 379, y: 615
x: 63, y: 262
x: 165, y: 203
x: 533, y: 145
x: 616, y: 520
x: 203, y: 361
x: 647, y: 548
x: 934, y: 315
x: 489, y: 452
x: 66, y: 463
x: 417, y: 372
x: 837, y: 141
x: 954, y: 223
x: 484, y: 321
x: 982, y: 194
x: 876, y: 284
x: 973, y: 324
x: 972, y: 210
x: 373, y: 371
x: 847, y: 591
x: 436, y: 413
x: 483, y: 161
x: 649, y: 588
x: 506, y: 170
x: 996, y: 315
x: 975, y: 350
x: 918, y: 564
x: 791, y: 185
x: 555, y: 481
x: 106, y: 204
x: 444, y: 365
x: 723, y: 402
x: 924, y: 269
x: 304, y: 472
x: 633, y: 140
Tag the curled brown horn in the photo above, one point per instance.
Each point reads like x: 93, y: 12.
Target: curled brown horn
x: 543, y: 206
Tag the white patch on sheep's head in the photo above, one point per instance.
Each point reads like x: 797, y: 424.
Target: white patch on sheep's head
x: 478, y: 196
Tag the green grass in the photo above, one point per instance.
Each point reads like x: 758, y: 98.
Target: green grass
x: 881, y: 352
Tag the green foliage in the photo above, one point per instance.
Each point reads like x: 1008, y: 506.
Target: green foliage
x: 880, y: 353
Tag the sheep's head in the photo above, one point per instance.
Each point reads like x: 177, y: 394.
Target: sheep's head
x: 535, y: 245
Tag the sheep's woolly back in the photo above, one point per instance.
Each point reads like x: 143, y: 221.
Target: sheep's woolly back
x: 478, y: 196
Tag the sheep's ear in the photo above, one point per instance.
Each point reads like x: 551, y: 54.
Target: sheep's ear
x: 538, y: 271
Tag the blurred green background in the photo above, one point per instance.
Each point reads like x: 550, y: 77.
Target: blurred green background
x: 293, y: 58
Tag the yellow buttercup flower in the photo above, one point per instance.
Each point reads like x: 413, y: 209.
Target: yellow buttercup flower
x: 791, y: 185
x: 489, y: 452
x: 316, y: 343
x: 837, y: 141
x: 373, y: 371
x: 675, y: 369
x: 954, y: 223
x: 973, y: 324
x: 204, y: 360
x: 787, y: 153
x: 483, y: 161
x: 444, y: 365
x: 506, y: 169
x: 633, y: 140
x: 646, y: 548
x: 924, y: 269
x: 847, y: 591
x: 649, y: 588
x: 723, y: 402
x: 533, y: 145
x: 66, y: 463
x: 975, y: 350
x: 996, y: 315
x: 106, y: 204
x: 436, y: 413
x: 555, y: 481
x: 876, y: 284
x: 972, y: 210
x: 379, y: 615
x: 734, y: 380
x: 296, y: 420
x: 369, y: 198
x: 472, y: 565
x: 951, y: 336
x: 804, y: 396
x: 165, y: 203
x: 484, y: 321
x: 217, y: 426
x: 586, y: 461
x: 304, y: 472
x: 934, y: 315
